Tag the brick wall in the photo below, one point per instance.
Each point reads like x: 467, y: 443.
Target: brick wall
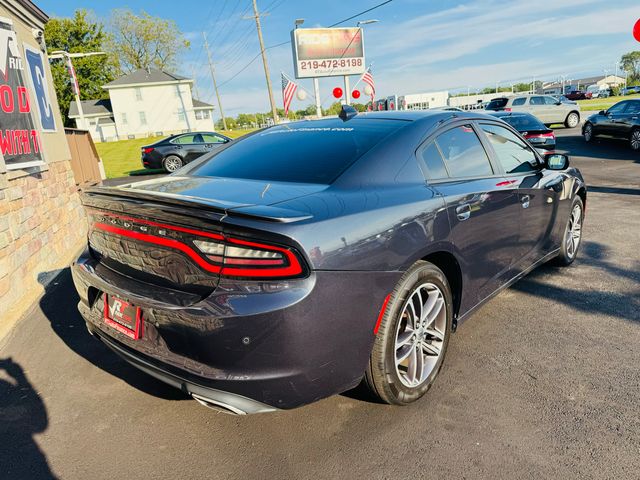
x: 42, y: 226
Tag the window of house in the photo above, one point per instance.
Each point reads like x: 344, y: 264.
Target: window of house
x: 143, y: 118
x: 181, y: 116
x: 123, y: 118
x: 138, y: 94
x: 198, y: 115
x: 205, y: 114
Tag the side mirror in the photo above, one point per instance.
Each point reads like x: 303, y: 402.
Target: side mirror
x: 556, y: 161
x: 602, y: 112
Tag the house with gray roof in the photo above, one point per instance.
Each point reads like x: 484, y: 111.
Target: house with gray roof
x: 146, y: 102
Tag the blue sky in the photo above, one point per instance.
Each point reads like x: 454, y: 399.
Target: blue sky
x: 418, y: 45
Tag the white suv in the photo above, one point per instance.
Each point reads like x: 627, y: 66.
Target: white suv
x: 546, y: 108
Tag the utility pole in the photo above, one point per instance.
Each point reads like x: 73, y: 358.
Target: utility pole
x: 256, y: 15
x: 215, y: 84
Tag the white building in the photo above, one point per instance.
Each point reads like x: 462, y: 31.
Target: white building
x: 141, y: 104
x: 555, y: 88
x: 422, y: 101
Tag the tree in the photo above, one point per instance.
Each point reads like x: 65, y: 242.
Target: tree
x: 631, y: 64
x: 143, y: 41
x: 74, y: 35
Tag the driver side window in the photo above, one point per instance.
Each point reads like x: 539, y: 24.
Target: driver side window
x: 617, y: 108
x: 514, y: 155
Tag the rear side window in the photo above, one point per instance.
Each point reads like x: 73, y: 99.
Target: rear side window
x: 536, y: 101
x: 463, y: 153
x: 513, y: 154
x: 519, y: 101
x: 211, y: 138
x: 633, y: 108
x: 497, y: 103
x: 433, y: 162
x: 303, y: 152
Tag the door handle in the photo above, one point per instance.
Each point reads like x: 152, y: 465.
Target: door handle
x: 463, y: 212
x: 524, y: 200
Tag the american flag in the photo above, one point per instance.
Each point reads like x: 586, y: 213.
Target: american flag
x: 288, y: 89
x: 367, y: 77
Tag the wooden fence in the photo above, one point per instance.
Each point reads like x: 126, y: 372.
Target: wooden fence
x: 85, y: 161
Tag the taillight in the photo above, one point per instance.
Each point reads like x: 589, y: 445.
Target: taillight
x: 541, y: 135
x: 507, y: 109
x: 147, y: 150
x: 242, y: 258
x: 213, y: 252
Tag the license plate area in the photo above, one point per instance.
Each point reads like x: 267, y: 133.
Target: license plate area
x: 123, y: 316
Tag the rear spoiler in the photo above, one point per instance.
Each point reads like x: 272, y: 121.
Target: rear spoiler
x: 135, y: 201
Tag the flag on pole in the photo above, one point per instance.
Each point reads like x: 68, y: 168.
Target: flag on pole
x: 367, y: 77
x: 73, y: 77
x: 288, y: 90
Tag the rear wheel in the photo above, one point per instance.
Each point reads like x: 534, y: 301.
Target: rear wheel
x: 588, y: 132
x: 412, y: 340
x: 572, y: 120
x: 171, y: 163
x: 572, y: 234
x: 634, y: 140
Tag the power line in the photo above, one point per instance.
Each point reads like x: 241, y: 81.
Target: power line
x: 289, y: 41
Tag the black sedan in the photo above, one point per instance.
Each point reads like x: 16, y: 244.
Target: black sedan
x: 538, y: 134
x: 173, y: 152
x: 619, y: 121
x: 306, y: 258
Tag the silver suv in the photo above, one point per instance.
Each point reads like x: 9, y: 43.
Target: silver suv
x: 548, y: 109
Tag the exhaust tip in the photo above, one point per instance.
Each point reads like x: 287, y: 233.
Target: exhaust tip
x: 217, y: 405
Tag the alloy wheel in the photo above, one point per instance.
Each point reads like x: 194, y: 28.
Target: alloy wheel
x: 420, y: 334
x: 635, y: 140
x: 574, y: 232
x: 172, y: 163
x: 572, y: 120
x: 588, y: 132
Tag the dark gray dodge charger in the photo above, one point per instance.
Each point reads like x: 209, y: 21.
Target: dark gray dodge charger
x: 306, y: 258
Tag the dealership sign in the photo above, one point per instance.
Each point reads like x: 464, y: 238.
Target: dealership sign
x: 19, y: 138
x: 327, y: 52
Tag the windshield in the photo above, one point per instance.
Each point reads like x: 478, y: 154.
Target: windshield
x: 304, y: 152
x: 524, y: 123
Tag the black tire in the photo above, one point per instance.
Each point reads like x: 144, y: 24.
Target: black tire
x: 171, y: 163
x: 634, y: 139
x: 587, y: 132
x: 567, y: 255
x: 381, y: 377
x: 572, y: 120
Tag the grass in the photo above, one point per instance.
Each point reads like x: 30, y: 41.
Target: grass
x: 122, y: 158
x: 597, y: 104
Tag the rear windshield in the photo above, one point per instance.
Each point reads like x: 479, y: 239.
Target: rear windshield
x: 497, y: 103
x: 524, y: 123
x: 305, y: 152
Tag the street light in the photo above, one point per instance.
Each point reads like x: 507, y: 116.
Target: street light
x: 298, y: 22
x: 76, y: 90
x: 347, y: 88
x: 367, y: 22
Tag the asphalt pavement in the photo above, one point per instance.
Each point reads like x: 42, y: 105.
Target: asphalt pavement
x: 542, y: 382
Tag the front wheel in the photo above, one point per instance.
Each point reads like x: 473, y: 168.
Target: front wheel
x: 413, y: 335
x: 572, y: 234
x: 634, y: 140
x: 572, y: 120
x: 172, y: 163
x: 587, y: 133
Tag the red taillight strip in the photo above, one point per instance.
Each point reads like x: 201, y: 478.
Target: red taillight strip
x: 294, y: 267
x: 382, y: 311
x: 201, y: 233
x: 165, y: 242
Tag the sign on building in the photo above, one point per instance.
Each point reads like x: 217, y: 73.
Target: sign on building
x: 326, y: 52
x: 40, y: 88
x: 19, y: 138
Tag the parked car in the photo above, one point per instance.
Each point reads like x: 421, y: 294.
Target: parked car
x: 538, y: 134
x: 577, y: 95
x: 545, y: 107
x: 563, y: 99
x: 630, y: 90
x: 305, y: 258
x: 598, y: 91
x: 619, y: 121
x: 173, y: 152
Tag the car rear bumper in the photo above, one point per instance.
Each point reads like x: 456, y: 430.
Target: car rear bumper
x: 250, y: 346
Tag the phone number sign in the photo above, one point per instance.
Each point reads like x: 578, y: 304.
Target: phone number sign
x: 327, y: 52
